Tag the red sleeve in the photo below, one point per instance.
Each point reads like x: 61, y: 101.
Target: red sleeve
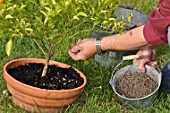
x: 155, y: 32
x: 160, y: 2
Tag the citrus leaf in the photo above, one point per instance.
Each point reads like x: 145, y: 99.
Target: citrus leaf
x: 81, y: 14
x: 112, y: 19
x: 96, y: 23
x: 121, y: 17
x: 44, y: 13
x: 8, y: 47
x: 29, y: 29
x: 75, y: 18
x: 53, y: 2
x: 48, y: 9
x: 130, y: 18
x: 8, y: 16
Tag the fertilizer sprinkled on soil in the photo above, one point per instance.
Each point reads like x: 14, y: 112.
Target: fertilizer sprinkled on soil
x: 57, y: 78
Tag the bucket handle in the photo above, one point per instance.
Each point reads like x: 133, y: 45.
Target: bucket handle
x: 129, y: 57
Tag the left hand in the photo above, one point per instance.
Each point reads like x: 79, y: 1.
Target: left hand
x: 147, y: 55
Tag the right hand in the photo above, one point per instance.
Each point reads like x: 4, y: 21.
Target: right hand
x: 83, y: 49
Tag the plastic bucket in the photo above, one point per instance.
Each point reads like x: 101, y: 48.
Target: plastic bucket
x: 137, y: 102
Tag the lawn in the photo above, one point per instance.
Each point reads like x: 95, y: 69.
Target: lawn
x: 98, y: 96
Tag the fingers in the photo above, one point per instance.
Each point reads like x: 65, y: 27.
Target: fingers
x: 75, y: 48
x: 75, y: 51
x: 79, y: 41
x: 74, y: 56
x: 153, y: 55
x: 77, y: 55
x: 141, y: 64
x: 153, y: 64
x: 83, y: 49
x: 72, y: 45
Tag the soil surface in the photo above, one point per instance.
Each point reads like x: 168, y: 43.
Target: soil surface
x: 57, y: 78
x: 136, y: 85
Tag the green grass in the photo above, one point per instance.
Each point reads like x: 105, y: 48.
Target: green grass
x: 98, y: 96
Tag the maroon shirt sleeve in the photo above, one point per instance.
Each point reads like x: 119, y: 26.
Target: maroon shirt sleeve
x: 155, y: 32
x: 160, y: 2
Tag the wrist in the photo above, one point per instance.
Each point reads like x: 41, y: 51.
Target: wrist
x: 98, y: 46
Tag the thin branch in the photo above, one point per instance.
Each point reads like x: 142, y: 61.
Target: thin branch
x: 64, y: 35
x: 40, y: 48
x: 32, y: 37
x: 78, y: 25
x: 72, y: 35
x: 66, y: 31
x: 44, y: 45
x: 64, y: 28
x: 80, y: 32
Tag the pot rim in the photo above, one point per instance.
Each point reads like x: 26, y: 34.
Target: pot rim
x: 39, y: 89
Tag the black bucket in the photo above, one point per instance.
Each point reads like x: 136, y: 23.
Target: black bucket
x: 112, y: 57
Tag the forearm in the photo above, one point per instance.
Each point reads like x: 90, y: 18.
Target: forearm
x: 130, y: 40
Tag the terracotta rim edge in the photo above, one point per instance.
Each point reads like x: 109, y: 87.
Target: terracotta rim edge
x: 54, y: 62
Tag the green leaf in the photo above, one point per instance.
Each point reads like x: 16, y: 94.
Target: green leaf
x: 9, y: 8
x: 96, y: 23
x: 104, y: 11
x: 57, y: 11
x: 46, y: 16
x: 92, y: 18
x: 121, y: 17
x: 53, y: 2
x: 44, y: 13
x: 107, y: 2
x: 105, y: 22
x: 29, y: 29
x: 41, y: 2
x: 121, y: 32
x: 22, y: 6
x: 8, y: 16
x: 8, y: 47
x: 75, y: 18
x: 81, y: 14
x: 112, y: 19
x: 130, y: 18
x: 45, y: 21
x: 48, y: 9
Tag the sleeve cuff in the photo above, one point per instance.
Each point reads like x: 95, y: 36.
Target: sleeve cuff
x: 151, y: 37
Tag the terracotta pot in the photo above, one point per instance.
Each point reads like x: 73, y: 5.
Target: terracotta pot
x: 36, y: 99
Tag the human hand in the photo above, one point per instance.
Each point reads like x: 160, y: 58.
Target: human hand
x: 83, y: 49
x: 147, y: 55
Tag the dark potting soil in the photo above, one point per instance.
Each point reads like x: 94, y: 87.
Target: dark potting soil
x: 57, y: 78
x: 136, y: 85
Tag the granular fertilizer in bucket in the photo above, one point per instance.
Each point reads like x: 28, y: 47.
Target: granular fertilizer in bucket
x: 135, y: 85
x: 147, y: 99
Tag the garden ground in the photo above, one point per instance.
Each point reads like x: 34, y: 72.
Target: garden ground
x: 98, y: 96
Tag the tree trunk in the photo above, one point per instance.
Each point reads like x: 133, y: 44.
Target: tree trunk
x: 48, y: 56
x: 45, y: 69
